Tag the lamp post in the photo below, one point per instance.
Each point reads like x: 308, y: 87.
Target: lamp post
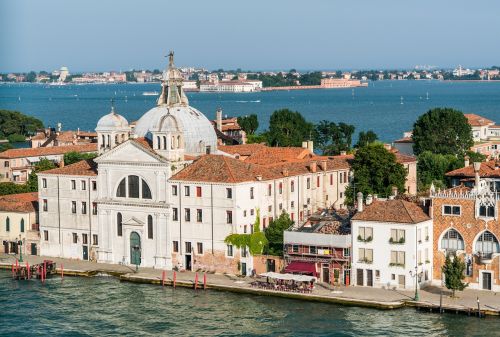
x: 20, y: 244
x: 417, y: 277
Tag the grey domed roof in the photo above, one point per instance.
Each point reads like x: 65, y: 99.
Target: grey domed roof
x: 111, y: 121
x: 197, y: 130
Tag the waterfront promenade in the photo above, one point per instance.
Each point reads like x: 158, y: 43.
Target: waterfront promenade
x: 358, y: 296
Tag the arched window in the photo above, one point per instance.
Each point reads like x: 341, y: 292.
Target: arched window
x: 452, y: 241
x: 292, y: 186
x: 116, y: 140
x: 7, y: 224
x: 172, y: 143
x: 158, y: 142
x: 119, y: 224
x: 146, y: 192
x: 22, y: 225
x: 150, y: 227
x: 165, y: 142
x: 487, y: 243
x: 178, y: 143
x: 487, y: 211
x: 121, y: 192
x: 133, y: 186
x: 103, y: 138
x: 109, y: 141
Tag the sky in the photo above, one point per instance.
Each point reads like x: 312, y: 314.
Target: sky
x: 98, y: 35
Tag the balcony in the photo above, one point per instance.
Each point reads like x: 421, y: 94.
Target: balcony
x: 485, y: 258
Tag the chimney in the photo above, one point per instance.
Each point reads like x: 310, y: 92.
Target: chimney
x: 304, y: 145
x: 343, y: 153
x: 466, y: 161
x: 285, y: 172
x: 258, y: 177
x: 312, y: 167
x: 394, y: 191
x: 61, y: 163
x: 369, y: 199
x: 477, y: 167
x: 310, y: 146
x: 360, y: 201
x: 375, y: 197
x: 323, y: 165
x: 59, y: 127
x: 218, y: 116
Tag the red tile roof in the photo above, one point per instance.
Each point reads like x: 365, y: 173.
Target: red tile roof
x: 23, y: 202
x: 46, y: 151
x: 401, y: 211
x: 243, y: 150
x: 476, y: 120
x: 82, y: 168
x: 489, y: 169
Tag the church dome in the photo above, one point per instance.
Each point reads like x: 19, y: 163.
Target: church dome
x: 111, y: 121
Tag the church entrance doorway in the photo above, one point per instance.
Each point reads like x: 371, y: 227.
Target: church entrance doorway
x: 135, y: 249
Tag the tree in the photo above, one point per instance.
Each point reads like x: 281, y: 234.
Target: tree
x: 249, y: 124
x: 43, y: 165
x: 442, y: 130
x: 376, y: 171
x: 14, y: 122
x: 274, y: 234
x: 453, y: 271
x: 31, y: 77
x: 256, y: 138
x: 288, y: 128
x: 333, y: 138
x: 12, y: 188
x: 74, y: 157
x: 432, y: 167
x: 255, y: 241
x: 366, y: 138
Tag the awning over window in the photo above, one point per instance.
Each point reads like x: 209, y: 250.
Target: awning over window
x: 298, y: 267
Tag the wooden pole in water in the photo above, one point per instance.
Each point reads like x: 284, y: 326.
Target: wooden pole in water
x: 28, y: 269
x: 163, y: 278
x: 175, y: 277
x: 12, y: 270
x: 62, y: 272
x: 44, y: 271
x: 196, y: 281
x: 204, y: 281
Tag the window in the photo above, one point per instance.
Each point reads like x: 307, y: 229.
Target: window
x: 451, y: 210
x: 175, y: 214
x: 245, y: 228
x: 252, y: 211
x: 312, y: 250
x: 189, y: 249
x: 341, y: 178
x: 292, y: 186
x: 295, y: 248
x: 317, y: 181
x: 6, y: 164
x: 199, y: 247
x: 280, y: 206
x: 119, y: 224
x: 244, y: 213
x: 365, y: 234
x: 487, y: 243
x: 73, y: 184
x: 244, y: 251
x: 229, y: 217
x: 85, y: 239
x: 270, y: 208
x: 44, y: 182
x: 292, y: 204
x: 426, y: 233
x: 419, y: 235
x: 150, y: 226
x: 45, y: 206
x: 365, y: 255
x: 94, y: 185
x: 397, y: 258
x: 377, y: 273
x: 84, y: 185
x: 198, y: 191
x: 331, y: 179
x: 187, y: 214
x: 75, y: 238
x: 46, y: 235
x: 229, y: 250
x: 94, y: 208
x: 186, y: 191
x: 347, y: 252
x: 84, y: 207
x: 269, y: 189
x: 146, y: 192
x: 174, y: 190
x: 280, y: 188
x: 73, y: 207
x: 176, y: 246
x: 133, y: 186
x: 199, y: 215
x: 487, y: 211
x: 452, y: 241
x: 22, y: 226
x: 397, y: 236
x: 121, y: 192
x: 251, y: 192
x: 7, y: 224
x: 229, y: 193
x: 393, y: 277
x: 345, y: 177
x: 95, y: 240
x: 308, y: 183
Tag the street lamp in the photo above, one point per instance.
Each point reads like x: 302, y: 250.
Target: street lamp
x: 20, y: 244
x: 136, y: 249
x: 417, y: 277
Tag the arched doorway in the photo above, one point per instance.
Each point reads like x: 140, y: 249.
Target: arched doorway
x: 135, y: 249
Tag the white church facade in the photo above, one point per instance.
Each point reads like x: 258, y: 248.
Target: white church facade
x: 165, y: 196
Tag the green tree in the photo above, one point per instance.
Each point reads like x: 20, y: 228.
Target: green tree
x: 14, y: 122
x: 12, y: 188
x: 249, y: 124
x: 432, y: 167
x: 5, y: 146
x: 43, y: 165
x: 376, y: 171
x: 442, y: 130
x: 366, y: 138
x: 255, y: 241
x: 256, y: 138
x: 74, y: 157
x: 274, y: 234
x: 288, y: 128
x: 453, y: 271
x: 333, y: 138
x: 31, y: 76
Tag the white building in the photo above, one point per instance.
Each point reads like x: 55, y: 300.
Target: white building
x: 391, y: 241
x: 164, y: 196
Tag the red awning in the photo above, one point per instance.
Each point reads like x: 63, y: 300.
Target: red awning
x: 298, y: 267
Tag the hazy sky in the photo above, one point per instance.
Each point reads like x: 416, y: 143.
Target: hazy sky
x: 253, y: 34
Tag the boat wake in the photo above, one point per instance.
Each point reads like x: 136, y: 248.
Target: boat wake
x: 256, y: 101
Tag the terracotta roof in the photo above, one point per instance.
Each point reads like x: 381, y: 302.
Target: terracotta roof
x: 405, y: 158
x: 271, y: 155
x: 488, y: 169
x: 82, y: 168
x: 404, y: 140
x: 243, y: 149
x: 392, y: 211
x: 476, y: 120
x: 23, y: 202
x: 46, y: 151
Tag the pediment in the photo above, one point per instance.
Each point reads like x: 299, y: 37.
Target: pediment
x: 128, y: 152
x: 133, y: 221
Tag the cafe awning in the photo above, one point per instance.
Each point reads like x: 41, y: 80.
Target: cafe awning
x: 300, y: 267
x: 288, y: 277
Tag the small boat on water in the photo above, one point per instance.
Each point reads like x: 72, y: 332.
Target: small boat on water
x: 150, y: 93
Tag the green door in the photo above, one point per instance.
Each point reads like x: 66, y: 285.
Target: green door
x: 135, y: 249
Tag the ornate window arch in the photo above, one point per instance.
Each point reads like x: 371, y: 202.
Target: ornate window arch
x: 452, y: 241
x: 22, y: 225
x: 7, y: 224
x: 487, y: 243
x: 133, y: 186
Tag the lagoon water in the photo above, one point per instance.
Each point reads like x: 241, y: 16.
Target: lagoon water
x: 103, y: 306
x: 377, y: 107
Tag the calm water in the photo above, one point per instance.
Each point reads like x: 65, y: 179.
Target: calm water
x: 103, y: 306
x: 377, y: 107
